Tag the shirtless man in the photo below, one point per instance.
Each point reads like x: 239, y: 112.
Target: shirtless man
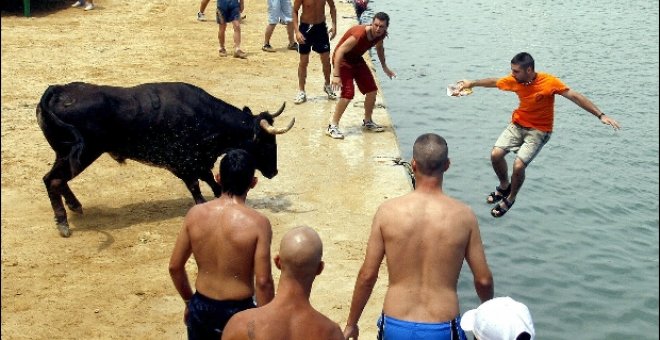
x: 312, y: 34
x: 289, y: 316
x: 426, y: 235
x: 231, y: 245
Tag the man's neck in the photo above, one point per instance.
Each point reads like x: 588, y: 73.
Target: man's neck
x: 234, y: 199
x: 294, y: 289
x: 428, y: 184
x: 370, y: 35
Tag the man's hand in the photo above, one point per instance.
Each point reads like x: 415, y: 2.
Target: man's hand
x: 336, y: 83
x: 351, y: 332
x: 300, y: 38
x: 464, y: 84
x: 609, y: 121
x: 332, y: 32
x: 389, y: 72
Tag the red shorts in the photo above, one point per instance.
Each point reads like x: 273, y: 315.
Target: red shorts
x: 362, y: 75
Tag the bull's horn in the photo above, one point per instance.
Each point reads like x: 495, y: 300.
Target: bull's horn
x: 273, y: 130
x: 279, y: 112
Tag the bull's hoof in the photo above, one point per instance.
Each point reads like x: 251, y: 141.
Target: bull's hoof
x: 63, y: 228
x: 75, y: 208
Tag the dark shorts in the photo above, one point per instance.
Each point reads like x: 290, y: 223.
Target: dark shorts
x: 316, y: 38
x: 362, y: 75
x: 390, y: 328
x: 207, y: 317
x: 228, y: 11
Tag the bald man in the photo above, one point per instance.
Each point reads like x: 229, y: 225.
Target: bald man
x: 426, y: 235
x: 289, y: 316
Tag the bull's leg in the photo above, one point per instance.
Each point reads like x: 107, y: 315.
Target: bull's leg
x: 192, y: 183
x: 71, y: 200
x: 210, y: 180
x: 53, y: 180
x: 56, y: 181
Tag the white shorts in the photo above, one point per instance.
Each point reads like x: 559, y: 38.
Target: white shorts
x: 279, y: 11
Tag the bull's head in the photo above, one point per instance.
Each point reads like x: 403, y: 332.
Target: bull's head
x: 265, y: 146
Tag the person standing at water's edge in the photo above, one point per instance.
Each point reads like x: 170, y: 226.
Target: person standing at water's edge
x: 425, y: 236
x: 349, y: 66
x: 231, y: 245
x: 531, y: 123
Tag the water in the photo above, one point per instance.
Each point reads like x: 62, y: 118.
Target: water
x: 580, y: 247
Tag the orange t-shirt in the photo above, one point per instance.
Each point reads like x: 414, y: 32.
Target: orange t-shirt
x: 537, y: 100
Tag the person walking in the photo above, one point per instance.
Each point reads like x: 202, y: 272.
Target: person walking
x: 290, y: 316
x: 531, y: 123
x: 231, y: 245
x: 349, y: 66
x: 312, y: 33
x: 425, y: 236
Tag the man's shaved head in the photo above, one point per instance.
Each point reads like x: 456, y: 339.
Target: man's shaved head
x: 431, y: 154
x: 301, y: 251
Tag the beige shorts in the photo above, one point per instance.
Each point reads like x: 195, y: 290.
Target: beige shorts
x: 524, y: 142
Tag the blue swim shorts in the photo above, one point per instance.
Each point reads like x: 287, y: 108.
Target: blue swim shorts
x: 390, y: 328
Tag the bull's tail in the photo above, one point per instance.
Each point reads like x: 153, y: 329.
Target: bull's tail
x: 52, y: 126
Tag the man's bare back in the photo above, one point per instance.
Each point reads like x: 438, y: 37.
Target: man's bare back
x: 426, y: 236
x: 225, y: 235
x: 290, y: 316
x: 231, y: 245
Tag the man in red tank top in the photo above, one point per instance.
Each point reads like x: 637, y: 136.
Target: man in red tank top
x: 349, y: 65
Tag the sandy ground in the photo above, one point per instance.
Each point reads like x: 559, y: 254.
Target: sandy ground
x: 110, y: 279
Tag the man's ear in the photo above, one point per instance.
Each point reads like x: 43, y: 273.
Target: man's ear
x: 217, y: 178
x: 319, y: 270
x: 278, y: 261
x: 413, y: 164
x: 447, y: 165
x: 254, y: 182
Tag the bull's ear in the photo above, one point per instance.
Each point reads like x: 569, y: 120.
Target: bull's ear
x: 247, y: 110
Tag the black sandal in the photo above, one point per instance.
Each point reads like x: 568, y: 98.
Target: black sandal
x: 498, y: 194
x: 499, y: 210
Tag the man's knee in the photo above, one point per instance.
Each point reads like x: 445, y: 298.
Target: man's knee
x: 519, y: 166
x: 497, y: 154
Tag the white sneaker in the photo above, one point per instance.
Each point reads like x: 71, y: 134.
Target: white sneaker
x: 201, y: 16
x: 328, y: 90
x: 371, y: 126
x: 300, y: 98
x: 89, y: 7
x: 333, y: 131
x: 77, y: 4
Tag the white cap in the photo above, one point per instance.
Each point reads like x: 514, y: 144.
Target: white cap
x: 501, y: 318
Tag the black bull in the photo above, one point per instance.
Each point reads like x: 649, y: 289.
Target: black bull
x: 176, y: 126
